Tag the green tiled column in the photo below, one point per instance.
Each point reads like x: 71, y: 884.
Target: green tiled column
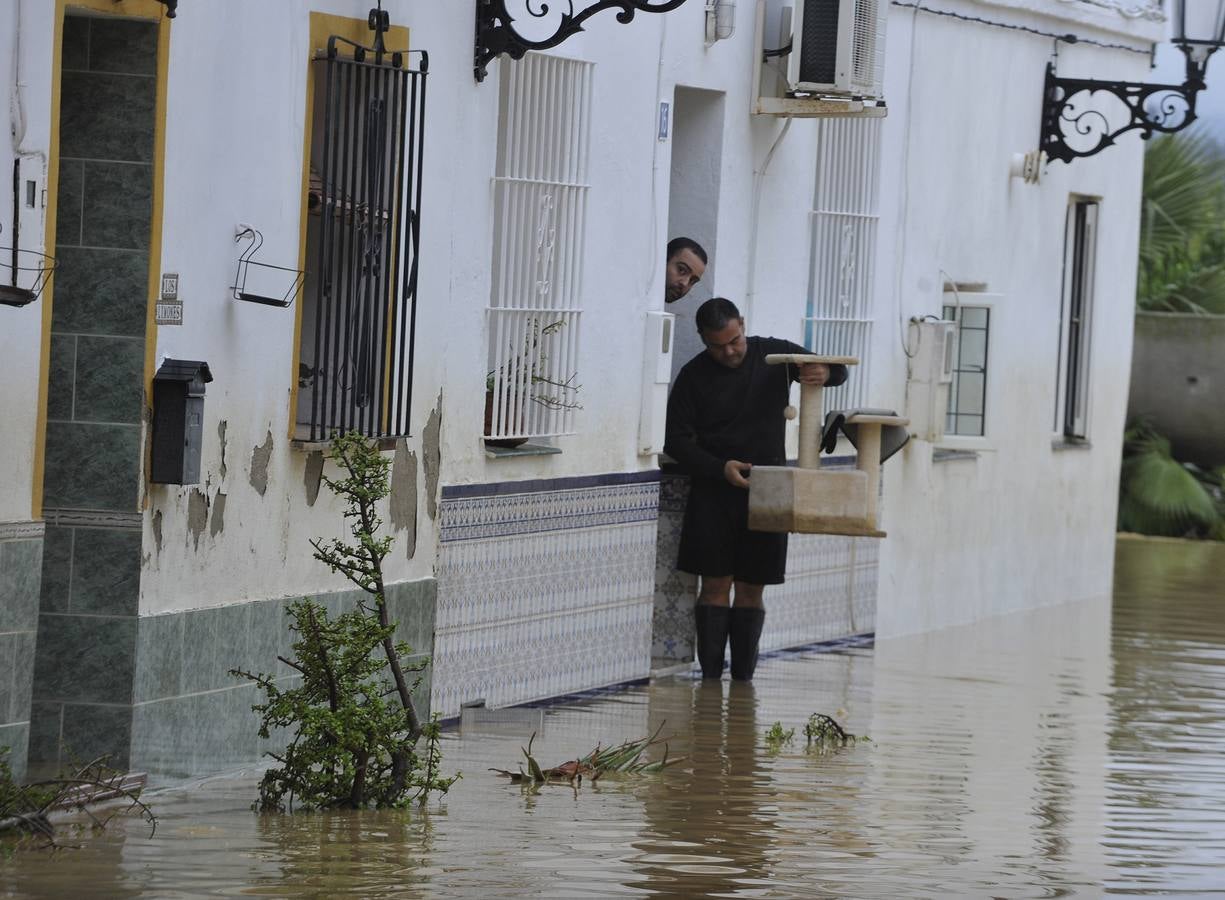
x: 85, y: 661
x: 21, y: 550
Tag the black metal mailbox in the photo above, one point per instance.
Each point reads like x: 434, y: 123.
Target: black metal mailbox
x: 178, y: 421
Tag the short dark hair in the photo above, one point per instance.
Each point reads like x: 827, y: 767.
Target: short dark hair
x: 676, y: 245
x: 714, y: 314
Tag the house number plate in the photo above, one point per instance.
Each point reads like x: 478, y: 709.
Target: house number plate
x: 169, y: 306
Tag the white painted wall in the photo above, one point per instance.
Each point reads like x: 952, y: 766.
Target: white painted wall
x: 1022, y: 525
x: 234, y: 154
x: 25, y: 85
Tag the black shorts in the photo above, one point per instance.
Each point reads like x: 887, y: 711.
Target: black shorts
x: 716, y: 541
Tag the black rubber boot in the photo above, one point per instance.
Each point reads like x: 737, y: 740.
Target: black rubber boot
x: 745, y: 632
x: 712, y: 623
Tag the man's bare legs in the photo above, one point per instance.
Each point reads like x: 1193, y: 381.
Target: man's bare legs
x: 716, y: 590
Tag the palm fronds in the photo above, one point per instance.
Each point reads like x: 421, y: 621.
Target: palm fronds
x: 1182, y: 227
x: 623, y: 759
x: 1161, y: 496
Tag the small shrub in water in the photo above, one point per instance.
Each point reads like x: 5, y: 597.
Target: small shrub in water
x: 351, y: 745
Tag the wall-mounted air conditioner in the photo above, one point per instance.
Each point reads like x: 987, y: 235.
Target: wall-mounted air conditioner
x: 838, y: 47
x: 930, y: 374
x: 820, y: 58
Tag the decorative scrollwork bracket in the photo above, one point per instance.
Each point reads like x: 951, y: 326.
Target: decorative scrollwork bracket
x: 1077, y: 123
x: 514, y: 27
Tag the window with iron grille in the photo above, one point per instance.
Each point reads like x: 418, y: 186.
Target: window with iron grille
x: 1080, y: 253
x: 540, y: 212
x: 363, y: 231
x: 967, y: 410
x: 845, y: 216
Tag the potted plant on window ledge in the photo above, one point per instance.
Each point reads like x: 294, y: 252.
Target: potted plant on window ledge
x: 525, y: 367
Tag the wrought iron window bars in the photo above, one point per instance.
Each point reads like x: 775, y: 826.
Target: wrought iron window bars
x: 1072, y: 128
x: 514, y: 27
x: 247, y: 259
x: 29, y: 265
x: 359, y: 324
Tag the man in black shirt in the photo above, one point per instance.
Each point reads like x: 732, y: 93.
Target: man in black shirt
x: 725, y: 415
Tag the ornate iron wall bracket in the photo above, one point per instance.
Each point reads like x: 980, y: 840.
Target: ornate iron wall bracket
x: 542, y: 24
x: 1075, y: 123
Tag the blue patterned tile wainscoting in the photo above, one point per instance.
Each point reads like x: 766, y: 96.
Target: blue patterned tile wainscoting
x: 675, y: 591
x: 21, y: 555
x: 830, y: 590
x: 544, y: 587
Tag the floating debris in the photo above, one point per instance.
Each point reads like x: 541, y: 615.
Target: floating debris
x: 28, y: 811
x: 623, y: 759
x: 824, y: 733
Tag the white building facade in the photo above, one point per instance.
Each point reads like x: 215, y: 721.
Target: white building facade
x: 523, y: 253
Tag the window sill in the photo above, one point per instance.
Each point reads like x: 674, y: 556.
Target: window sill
x: 521, y: 450
x: 957, y: 443
x: 949, y: 454
x: 1064, y: 443
x: 305, y: 445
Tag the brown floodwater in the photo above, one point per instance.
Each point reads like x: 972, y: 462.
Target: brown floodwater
x: 1075, y: 750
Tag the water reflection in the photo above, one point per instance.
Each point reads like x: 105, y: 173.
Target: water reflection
x: 709, y: 830
x: 1074, y: 750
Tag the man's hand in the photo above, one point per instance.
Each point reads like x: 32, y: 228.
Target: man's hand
x: 735, y: 472
x: 815, y: 374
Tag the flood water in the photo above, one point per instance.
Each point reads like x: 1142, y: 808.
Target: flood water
x: 1076, y: 750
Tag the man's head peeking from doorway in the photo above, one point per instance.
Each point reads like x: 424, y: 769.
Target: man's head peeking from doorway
x: 721, y: 328
x: 686, y: 265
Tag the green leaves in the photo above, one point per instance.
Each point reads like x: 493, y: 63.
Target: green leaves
x: 1182, y: 226
x: 1161, y: 496
x: 778, y: 737
x: 355, y: 733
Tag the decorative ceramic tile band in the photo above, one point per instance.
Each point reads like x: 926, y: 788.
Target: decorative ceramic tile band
x: 472, y: 518
x: 90, y: 518
x: 541, y: 485
x: 545, y: 593
x: 531, y: 576
x: 21, y: 531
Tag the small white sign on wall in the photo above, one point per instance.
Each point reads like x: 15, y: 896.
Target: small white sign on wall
x: 169, y: 306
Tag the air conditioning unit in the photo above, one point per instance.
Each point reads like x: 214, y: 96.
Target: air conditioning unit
x: 929, y: 377
x: 838, y: 47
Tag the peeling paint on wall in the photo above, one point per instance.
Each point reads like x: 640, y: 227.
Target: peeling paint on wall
x: 157, y: 531
x: 221, y: 426
x: 313, y: 475
x: 197, y: 515
x: 403, y: 510
x: 259, y: 465
x: 431, y: 457
x: 216, y: 523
